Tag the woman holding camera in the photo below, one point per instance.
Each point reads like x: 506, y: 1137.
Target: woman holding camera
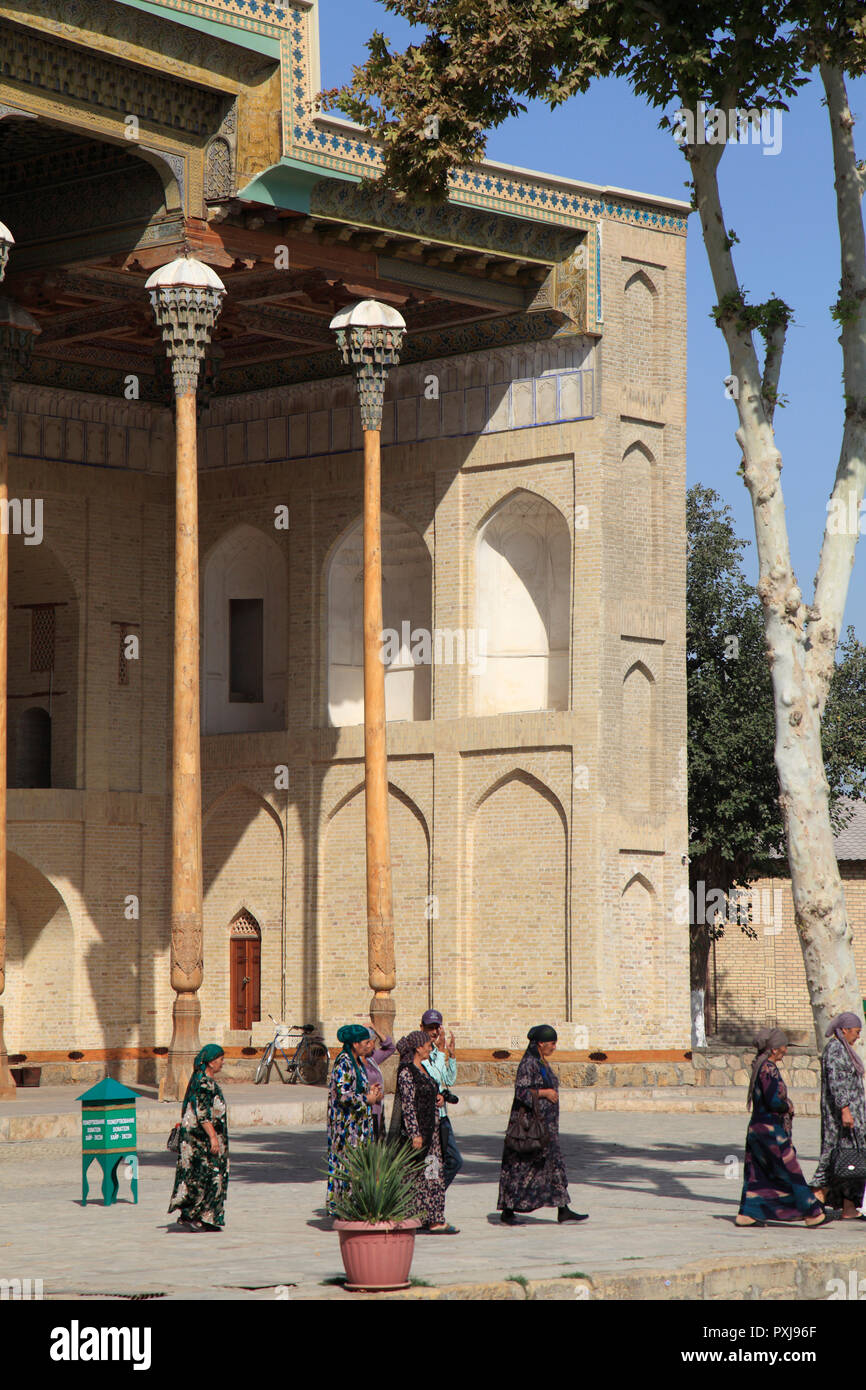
x: 415, y: 1119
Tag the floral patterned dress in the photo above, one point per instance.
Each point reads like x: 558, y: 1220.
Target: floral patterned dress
x: 774, y: 1188
x: 525, y: 1184
x: 350, y: 1122
x: 416, y: 1112
x: 841, y: 1084
x: 202, y: 1178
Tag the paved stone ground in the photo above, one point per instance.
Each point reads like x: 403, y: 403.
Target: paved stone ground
x: 656, y: 1188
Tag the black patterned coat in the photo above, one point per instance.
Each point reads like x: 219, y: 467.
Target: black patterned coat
x: 525, y: 1184
x: 841, y: 1084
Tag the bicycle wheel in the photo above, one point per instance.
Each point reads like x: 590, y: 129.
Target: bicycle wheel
x: 263, y: 1070
x: 313, y: 1068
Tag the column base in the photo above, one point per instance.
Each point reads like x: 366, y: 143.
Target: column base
x: 383, y: 1011
x: 185, y: 1043
x: 8, y: 1089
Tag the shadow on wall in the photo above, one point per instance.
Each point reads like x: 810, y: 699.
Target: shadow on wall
x: 40, y: 986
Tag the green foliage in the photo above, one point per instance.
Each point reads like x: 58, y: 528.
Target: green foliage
x: 479, y: 61
x: 736, y: 831
x: 767, y: 318
x: 379, y: 1182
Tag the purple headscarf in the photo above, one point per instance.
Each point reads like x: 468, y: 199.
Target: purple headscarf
x: 834, y: 1030
x: 408, y: 1046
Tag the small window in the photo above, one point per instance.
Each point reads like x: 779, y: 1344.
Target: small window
x: 246, y: 649
x: 42, y: 637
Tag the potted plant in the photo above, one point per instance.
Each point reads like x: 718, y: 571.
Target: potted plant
x: 377, y: 1233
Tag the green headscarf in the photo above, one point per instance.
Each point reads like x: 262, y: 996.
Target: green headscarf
x: 202, y: 1059
x: 354, y: 1033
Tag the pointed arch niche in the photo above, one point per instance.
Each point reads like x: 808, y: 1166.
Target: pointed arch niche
x: 639, y: 517
x: 639, y: 998
x: 523, y: 580
x: 245, y: 661
x: 638, y: 711
x: 640, y: 312
x: 407, y: 607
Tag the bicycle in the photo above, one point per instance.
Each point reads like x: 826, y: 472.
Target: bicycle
x: 308, y: 1063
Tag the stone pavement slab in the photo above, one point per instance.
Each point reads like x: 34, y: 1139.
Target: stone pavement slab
x: 662, y: 1191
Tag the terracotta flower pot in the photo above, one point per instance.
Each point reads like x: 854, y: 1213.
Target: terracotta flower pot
x: 377, y: 1257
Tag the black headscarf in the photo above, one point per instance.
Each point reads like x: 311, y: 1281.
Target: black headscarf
x: 542, y: 1032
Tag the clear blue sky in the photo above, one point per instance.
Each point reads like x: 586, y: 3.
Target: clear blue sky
x: 781, y: 206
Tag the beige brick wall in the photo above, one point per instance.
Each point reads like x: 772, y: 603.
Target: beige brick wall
x: 764, y: 981
x: 536, y: 855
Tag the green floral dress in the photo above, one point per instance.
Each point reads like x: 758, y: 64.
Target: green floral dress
x: 202, y: 1178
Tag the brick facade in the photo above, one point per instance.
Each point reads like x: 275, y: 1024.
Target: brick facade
x: 537, y: 855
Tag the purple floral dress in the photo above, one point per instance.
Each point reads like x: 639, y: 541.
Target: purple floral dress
x: 774, y: 1188
x: 416, y: 1112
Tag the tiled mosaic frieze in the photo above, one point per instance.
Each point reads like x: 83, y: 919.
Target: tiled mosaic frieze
x: 332, y: 147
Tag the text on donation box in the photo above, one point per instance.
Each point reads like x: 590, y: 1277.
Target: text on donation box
x: 115, y: 1130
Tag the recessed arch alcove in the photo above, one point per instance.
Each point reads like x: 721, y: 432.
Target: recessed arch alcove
x: 407, y: 598
x: 523, y: 606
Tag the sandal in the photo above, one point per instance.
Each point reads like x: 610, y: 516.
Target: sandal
x: 744, y: 1221
x: 810, y: 1223
x: 442, y: 1231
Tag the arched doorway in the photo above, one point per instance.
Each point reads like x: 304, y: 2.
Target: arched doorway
x: 245, y: 971
x: 33, y: 749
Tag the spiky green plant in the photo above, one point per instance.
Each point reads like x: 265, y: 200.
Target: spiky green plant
x: 378, y: 1182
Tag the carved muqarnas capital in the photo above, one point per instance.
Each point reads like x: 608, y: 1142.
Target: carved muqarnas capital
x: 186, y: 314
x: 371, y: 351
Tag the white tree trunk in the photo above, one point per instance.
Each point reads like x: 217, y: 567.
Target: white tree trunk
x: 699, y: 1029
x: 799, y: 689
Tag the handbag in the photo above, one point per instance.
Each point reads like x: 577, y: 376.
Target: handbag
x: 526, y: 1133
x: 173, y: 1140
x: 848, y: 1162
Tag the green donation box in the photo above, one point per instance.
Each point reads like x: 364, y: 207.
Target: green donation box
x: 108, y: 1134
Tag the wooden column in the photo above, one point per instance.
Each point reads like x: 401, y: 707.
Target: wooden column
x: 17, y: 331
x: 187, y: 954
x: 369, y: 336
x: 380, y: 917
x: 7, y: 1085
x: 186, y: 298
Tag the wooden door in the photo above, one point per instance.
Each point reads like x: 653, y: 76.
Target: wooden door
x: 246, y: 975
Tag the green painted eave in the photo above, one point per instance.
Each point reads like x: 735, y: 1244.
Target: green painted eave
x: 289, y: 184
x: 229, y: 33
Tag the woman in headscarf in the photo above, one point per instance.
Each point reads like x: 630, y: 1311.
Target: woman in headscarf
x: 774, y: 1188
x: 527, y: 1183
x: 377, y: 1050
x: 202, y: 1176
x: 350, y: 1098
x: 415, y: 1119
x: 843, y: 1111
